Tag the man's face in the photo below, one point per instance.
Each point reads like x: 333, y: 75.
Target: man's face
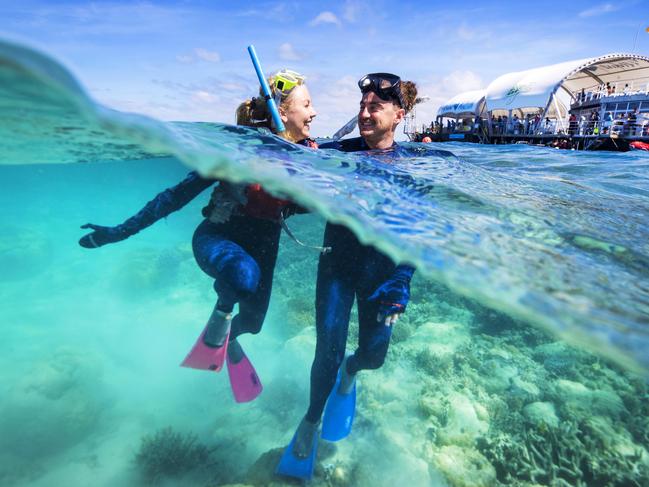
x: 378, y: 118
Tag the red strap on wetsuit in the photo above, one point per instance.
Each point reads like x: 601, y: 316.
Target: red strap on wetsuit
x: 263, y: 205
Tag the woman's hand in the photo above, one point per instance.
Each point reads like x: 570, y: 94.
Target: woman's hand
x: 101, y: 235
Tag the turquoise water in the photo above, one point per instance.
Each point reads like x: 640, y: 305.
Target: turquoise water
x: 523, y: 347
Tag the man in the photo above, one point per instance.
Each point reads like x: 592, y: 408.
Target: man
x: 353, y: 271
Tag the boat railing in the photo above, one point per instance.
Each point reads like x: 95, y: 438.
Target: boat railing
x: 619, y: 127
x: 596, y: 95
x: 616, y: 127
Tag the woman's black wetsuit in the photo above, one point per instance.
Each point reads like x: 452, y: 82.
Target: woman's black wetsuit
x: 240, y: 253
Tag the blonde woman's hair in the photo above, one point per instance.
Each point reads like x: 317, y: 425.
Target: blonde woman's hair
x: 254, y: 112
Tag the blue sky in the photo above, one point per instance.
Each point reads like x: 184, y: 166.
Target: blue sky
x: 187, y: 60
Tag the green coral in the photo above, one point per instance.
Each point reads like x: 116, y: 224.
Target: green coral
x: 576, y: 454
x: 168, y: 453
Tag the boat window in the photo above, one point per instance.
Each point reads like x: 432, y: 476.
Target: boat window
x: 633, y: 105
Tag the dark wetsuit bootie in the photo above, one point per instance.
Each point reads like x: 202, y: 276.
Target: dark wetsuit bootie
x: 235, y: 352
x: 347, y: 380
x: 218, y: 327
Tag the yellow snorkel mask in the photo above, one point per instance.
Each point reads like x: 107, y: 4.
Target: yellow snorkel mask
x: 284, y: 81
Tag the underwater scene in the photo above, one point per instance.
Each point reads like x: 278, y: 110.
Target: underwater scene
x: 521, y: 359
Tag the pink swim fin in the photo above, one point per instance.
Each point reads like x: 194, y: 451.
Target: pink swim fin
x: 206, y: 358
x: 244, y: 381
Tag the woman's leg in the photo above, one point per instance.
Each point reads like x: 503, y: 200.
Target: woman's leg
x: 262, y: 244
x: 236, y: 274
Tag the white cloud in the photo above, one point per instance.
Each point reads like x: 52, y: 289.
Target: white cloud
x: 464, y: 33
x: 184, y: 58
x: 601, y: 9
x: 326, y: 18
x: 209, y: 56
x: 205, y: 97
x: 288, y: 53
x: 335, y: 100
x: 280, y: 12
x: 475, y: 33
x: 351, y: 10
x: 109, y: 18
x: 233, y: 87
x: 461, y: 80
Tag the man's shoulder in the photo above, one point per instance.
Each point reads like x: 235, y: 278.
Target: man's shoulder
x: 346, y: 145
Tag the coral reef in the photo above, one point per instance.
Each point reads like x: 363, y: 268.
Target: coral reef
x: 170, y: 454
x: 464, y: 467
x: 54, y: 406
x: 519, y: 408
x: 573, y: 454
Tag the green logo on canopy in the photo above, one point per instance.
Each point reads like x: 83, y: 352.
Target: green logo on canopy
x: 514, y: 91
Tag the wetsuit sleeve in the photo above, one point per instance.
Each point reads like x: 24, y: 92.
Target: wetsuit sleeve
x: 165, y: 203
x: 393, y: 295
x: 329, y: 145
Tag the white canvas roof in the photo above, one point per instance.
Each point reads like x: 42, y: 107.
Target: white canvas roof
x: 534, y: 88
x: 468, y: 103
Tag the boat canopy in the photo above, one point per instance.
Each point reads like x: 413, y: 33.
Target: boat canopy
x: 467, y: 104
x: 554, y: 88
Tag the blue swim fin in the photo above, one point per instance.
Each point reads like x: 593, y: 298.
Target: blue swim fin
x: 339, y: 413
x: 291, y: 466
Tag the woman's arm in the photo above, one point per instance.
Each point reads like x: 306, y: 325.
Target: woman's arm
x: 165, y: 203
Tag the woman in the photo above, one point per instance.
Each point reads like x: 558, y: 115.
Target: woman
x: 236, y: 243
x: 353, y: 271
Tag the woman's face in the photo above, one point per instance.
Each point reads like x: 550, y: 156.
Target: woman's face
x: 297, y: 113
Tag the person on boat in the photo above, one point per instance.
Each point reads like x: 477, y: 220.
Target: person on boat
x: 237, y: 242
x: 353, y: 271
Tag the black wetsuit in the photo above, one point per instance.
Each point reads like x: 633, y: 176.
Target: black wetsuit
x: 352, y: 271
x: 240, y: 254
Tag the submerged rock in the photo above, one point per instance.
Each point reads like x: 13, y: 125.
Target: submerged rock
x: 498, y: 374
x: 57, y: 404
x: 463, y: 425
x: 577, y: 397
x: 464, y: 467
x: 541, y: 413
x: 523, y: 390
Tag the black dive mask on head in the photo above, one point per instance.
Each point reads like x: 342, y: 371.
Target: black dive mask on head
x: 386, y: 86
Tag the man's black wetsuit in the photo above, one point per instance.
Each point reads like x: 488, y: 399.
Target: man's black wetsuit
x: 352, y: 271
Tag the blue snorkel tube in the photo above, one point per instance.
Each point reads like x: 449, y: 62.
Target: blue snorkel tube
x: 270, y: 102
